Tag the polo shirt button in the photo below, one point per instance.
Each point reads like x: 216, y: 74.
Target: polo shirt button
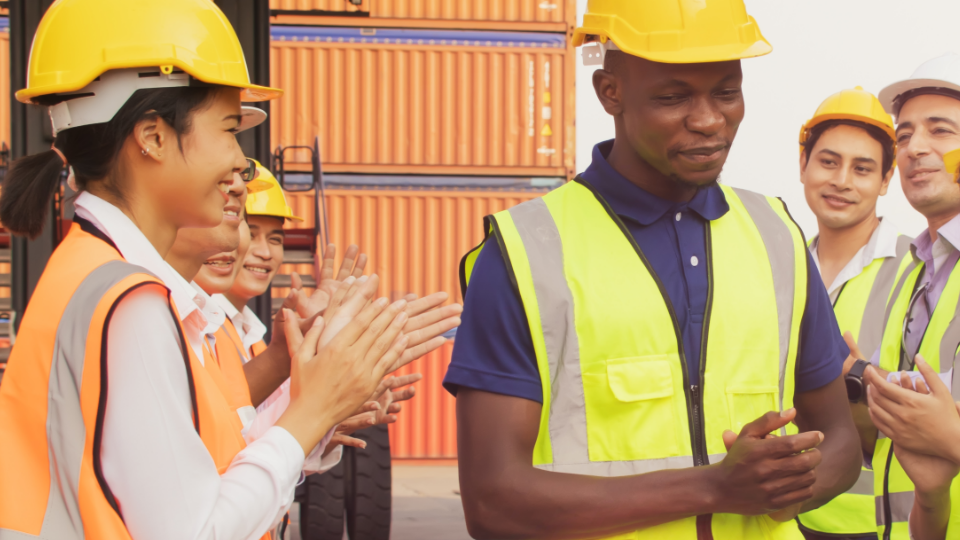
x: 694, y: 260
x: 678, y: 216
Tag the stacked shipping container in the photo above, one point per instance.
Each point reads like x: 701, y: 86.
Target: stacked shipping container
x: 423, y: 87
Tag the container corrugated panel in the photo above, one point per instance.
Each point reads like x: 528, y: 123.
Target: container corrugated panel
x: 415, y: 240
x: 425, y: 102
x: 456, y: 13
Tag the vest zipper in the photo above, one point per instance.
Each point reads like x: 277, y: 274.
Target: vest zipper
x: 887, y: 512
x: 691, y: 392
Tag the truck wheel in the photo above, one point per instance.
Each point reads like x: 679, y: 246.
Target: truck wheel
x: 367, y: 481
x: 322, y: 505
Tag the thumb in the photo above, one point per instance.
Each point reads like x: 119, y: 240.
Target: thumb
x: 769, y: 422
x: 729, y: 438
x: 308, y: 345
x: 295, y: 281
x: 852, y: 344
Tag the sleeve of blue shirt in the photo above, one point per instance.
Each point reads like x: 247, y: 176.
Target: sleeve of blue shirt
x: 494, y: 350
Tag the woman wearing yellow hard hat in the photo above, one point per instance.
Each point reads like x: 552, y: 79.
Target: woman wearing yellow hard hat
x: 110, y: 426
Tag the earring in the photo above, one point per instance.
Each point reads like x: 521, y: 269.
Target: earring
x: 144, y: 151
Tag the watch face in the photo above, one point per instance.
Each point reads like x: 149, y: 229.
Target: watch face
x: 854, y: 389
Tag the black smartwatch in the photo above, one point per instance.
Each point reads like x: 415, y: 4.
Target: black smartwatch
x: 854, y: 381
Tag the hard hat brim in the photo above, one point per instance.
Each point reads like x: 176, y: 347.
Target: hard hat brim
x: 696, y: 55
x: 812, y: 123
x: 251, y: 117
x: 888, y: 96
x: 256, y: 186
x: 249, y: 92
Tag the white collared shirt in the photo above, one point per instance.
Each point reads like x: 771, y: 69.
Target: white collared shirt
x: 882, y: 244
x: 157, y: 466
x: 246, y: 323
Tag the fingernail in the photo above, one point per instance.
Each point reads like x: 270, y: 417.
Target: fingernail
x: 382, y: 302
x: 784, y: 414
x: 317, y: 321
x: 399, y: 304
x: 402, y: 317
x: 349, y: 280
x: 821, y: 436
x: 362, y: 279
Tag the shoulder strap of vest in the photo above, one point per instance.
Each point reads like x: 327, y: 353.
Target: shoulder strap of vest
x: 490, y: 227
x: 92, y: 230
x: 903, y: 245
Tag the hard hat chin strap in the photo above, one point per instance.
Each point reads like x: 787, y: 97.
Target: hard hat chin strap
x: 595, y: 53
x: 99, y: 101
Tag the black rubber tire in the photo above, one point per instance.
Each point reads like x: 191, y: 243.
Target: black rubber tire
x: 322, y: 509
x: 368, y: 485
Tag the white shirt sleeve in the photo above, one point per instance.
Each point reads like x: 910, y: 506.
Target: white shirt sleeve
x: 894, y: 377
x: 163, y: 478
x: 267, y: 415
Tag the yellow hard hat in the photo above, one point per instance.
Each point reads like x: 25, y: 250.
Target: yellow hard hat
x: 271, y: 201
x: 105, y: 44
x: 674, y: 31
x: 951, y: 163
x: 259, y: 183
x: 851, y: 104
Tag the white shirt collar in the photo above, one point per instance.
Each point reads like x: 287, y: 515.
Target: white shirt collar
x: 135, y: 247
x: 212, y: 311
x: 249, y: 327
x: 882, y: 244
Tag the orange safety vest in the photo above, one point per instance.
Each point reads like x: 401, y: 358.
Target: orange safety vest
x: 230, y: 360
x: 54, y: 393
x: 258, y: 348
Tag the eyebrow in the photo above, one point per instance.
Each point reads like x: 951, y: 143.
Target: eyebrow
x: 938, y: 119
x: 277, y: 231
x: 858, y: 159
x: 237, y: 117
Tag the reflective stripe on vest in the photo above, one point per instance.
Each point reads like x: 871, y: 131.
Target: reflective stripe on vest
x: 53, y: 398
x: 615, y: 395
x: 892, y: 486
x: 860, y: 308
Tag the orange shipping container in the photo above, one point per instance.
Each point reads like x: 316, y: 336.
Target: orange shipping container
x: 542, y: 15
x: 414, y: 239
x: 426, y: 102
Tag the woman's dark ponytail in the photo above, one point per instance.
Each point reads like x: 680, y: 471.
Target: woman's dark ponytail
x: 28, y: 190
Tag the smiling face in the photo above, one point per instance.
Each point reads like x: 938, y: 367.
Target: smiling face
x: 680, y: 119
x: 190, y: 182
x: 928, y: 127
x: 843, y: 177
x: 197, y: 244
x: 220, y: 271
x: 262, y: 260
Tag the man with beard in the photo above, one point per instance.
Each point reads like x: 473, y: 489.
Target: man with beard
x: 637, y: 343
x: 912, y: 467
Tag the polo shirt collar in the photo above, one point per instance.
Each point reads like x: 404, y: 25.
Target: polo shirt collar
x: 633, y: 202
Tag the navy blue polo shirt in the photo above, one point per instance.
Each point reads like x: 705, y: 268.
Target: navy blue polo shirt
x: 494, y: 350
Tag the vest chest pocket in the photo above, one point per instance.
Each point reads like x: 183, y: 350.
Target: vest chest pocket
x: 747, y: 403
x: 643, y: 415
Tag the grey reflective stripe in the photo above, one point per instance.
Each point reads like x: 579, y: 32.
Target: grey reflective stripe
x: 627, y: 468
x: 778, y: 241
x: 66, y: 433
x: 864, y: 484
x: 949, y: 342
x: 568, y: 412
x: 900, y: 505
x: 871, y: 326
x: 7, y: 534
x: 895, y: 294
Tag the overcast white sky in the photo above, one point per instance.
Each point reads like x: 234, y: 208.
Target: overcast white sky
x: 819, y: 48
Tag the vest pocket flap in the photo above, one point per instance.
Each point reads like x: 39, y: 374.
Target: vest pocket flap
x: 749, y: 402
x: 639, y: 378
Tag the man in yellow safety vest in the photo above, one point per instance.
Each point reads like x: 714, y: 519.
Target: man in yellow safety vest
x: 637, y: 344
x: 847, y: 156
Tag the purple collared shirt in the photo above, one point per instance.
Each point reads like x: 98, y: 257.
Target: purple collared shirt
x: 939, y: 257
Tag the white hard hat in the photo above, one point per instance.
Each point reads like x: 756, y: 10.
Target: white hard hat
x: 938, y: 76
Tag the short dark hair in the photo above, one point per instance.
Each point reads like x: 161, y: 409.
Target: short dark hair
x: 881, y: 136
x: 91, y: 151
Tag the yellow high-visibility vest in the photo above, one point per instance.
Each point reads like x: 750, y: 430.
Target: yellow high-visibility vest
x: 859, y: 308
x: 893, y: 489
x: 616, y: 393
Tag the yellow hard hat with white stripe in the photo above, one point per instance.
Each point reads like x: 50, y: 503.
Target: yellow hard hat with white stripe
x: 102, y: 51
x: 673, y: 31
x: 951, y: 162
x: 271, y: 201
